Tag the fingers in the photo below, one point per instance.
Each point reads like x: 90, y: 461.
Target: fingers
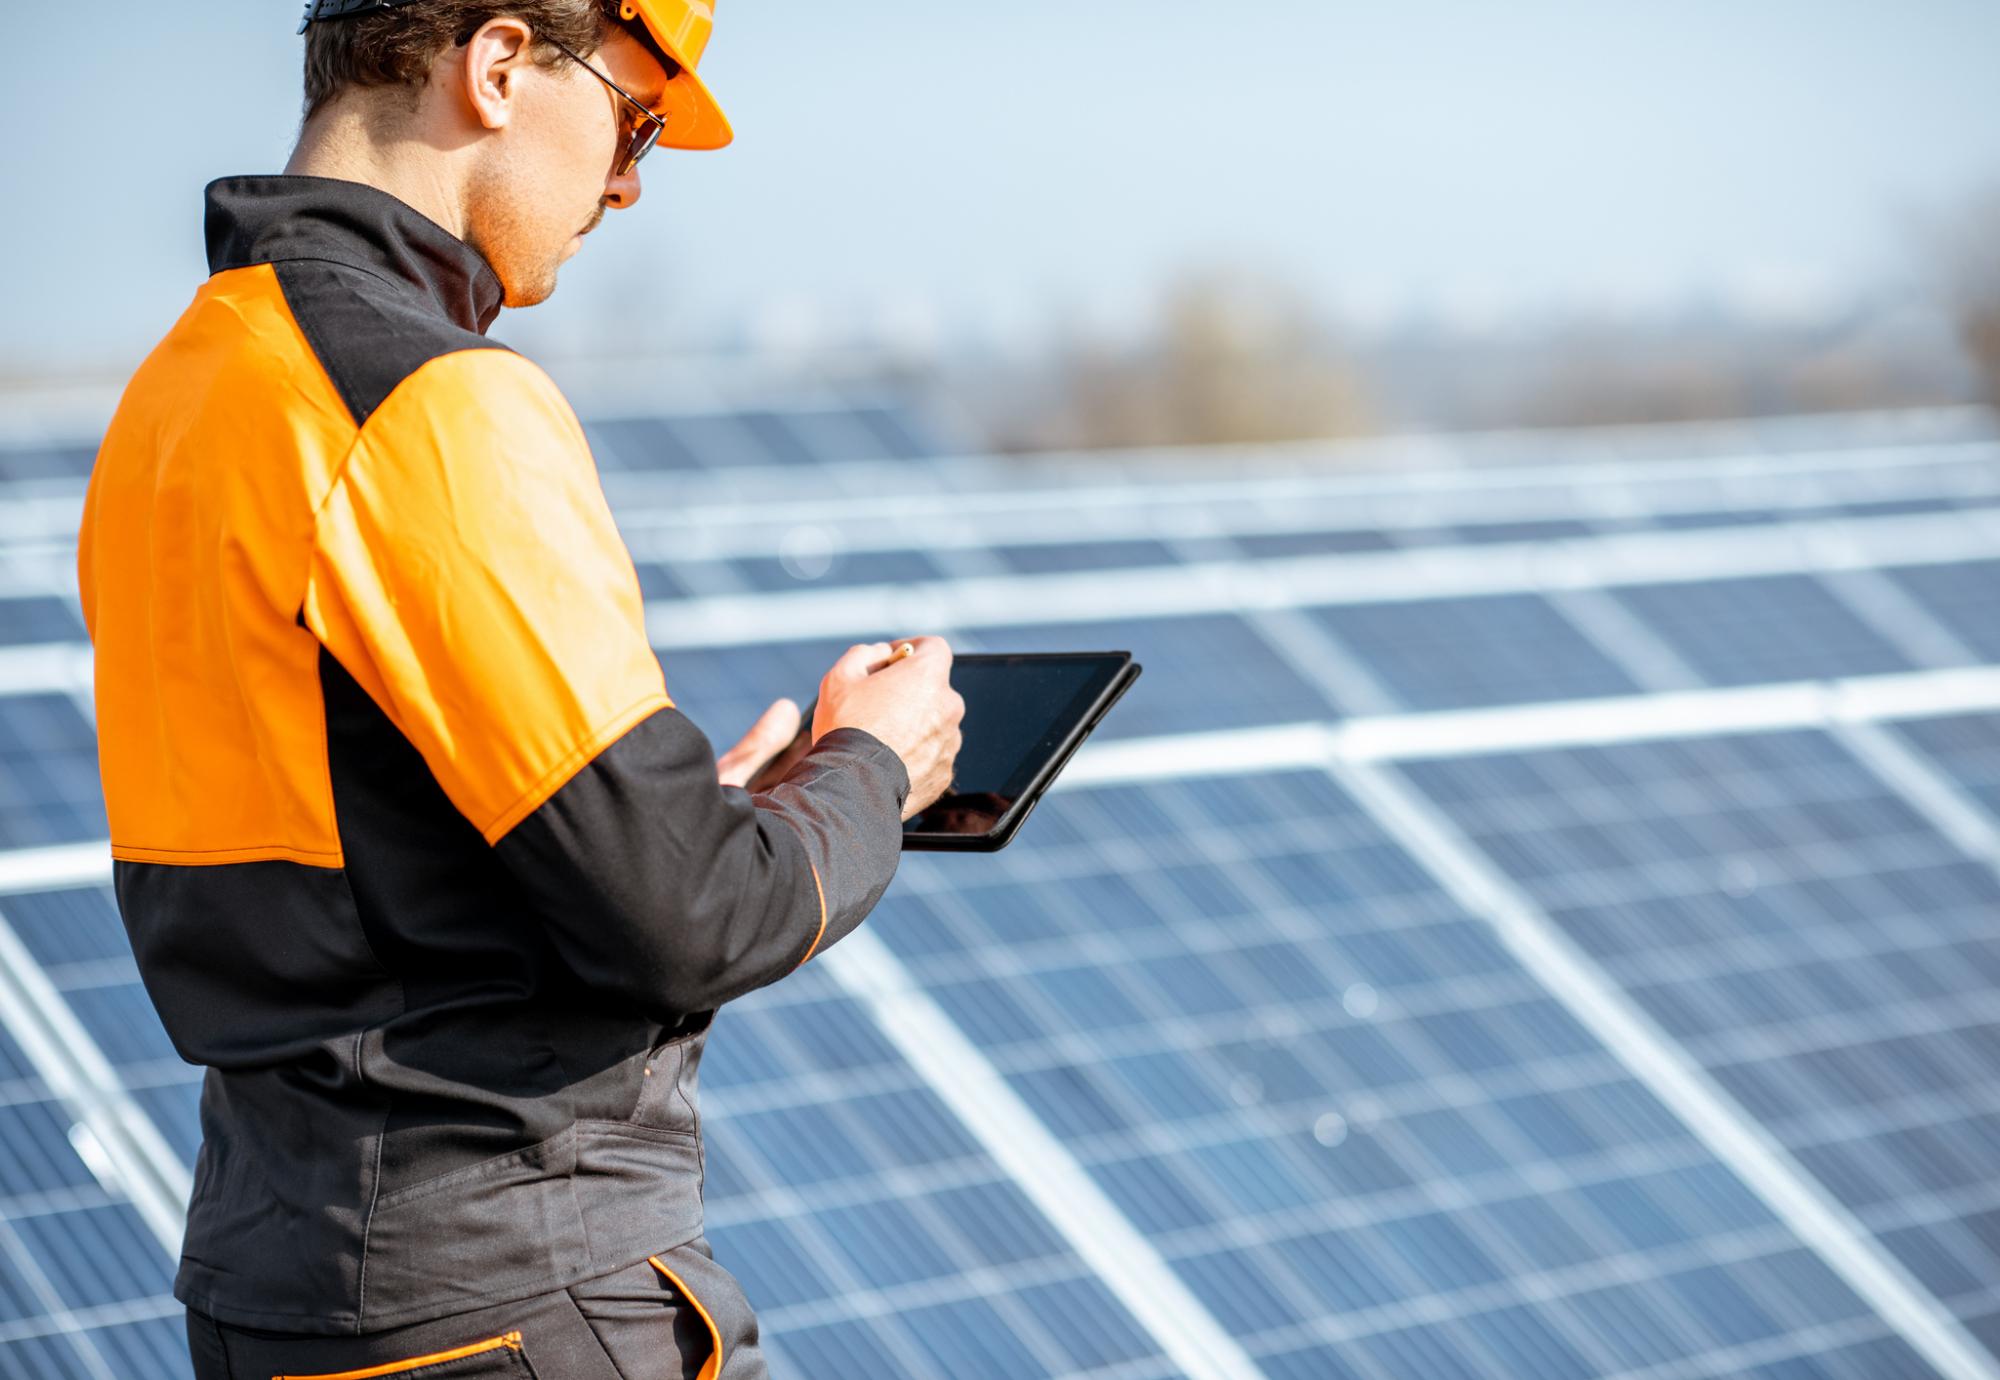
x: 855, y: 661
x: 858, y: 660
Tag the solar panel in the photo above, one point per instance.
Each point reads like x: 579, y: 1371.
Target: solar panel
x: 795, y: 438
x: 1456, y: 653
x: 49, y: 788
x: 872, y: 1233
x: 1965, y: 748
x: 827, y: 567
x: 1775, y: 628
x: 1369, y: 1140
x: 46, y: 462
x: 32, y: 620
x: 724, y: 690
x: 1292, y: 1057
x: 1202, y: 672
x: 1049, y: 557
x: 1964, y: 596
x: 1799, y: 929
x: 84, y: 1286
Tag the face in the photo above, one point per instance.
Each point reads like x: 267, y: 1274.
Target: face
x: 547, y: 182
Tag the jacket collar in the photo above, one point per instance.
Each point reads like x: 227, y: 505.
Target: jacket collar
x: 270, y: 219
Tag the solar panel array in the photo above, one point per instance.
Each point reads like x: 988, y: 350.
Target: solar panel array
x: 1534, y: 916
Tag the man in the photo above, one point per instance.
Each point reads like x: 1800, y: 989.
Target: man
x: 416, y: 853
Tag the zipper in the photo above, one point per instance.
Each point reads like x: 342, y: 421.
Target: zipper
x: 509, y: 1340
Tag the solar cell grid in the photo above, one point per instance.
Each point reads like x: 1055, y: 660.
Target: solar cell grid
x: 49, y: 788
x: 826, y: 568
x: 33, y: 620
x: 1359, y: 1130
x: 1460, y: 653
x: 46, y: 462
x: 1269, y: 545
x: 1964, y: 596
x: 77, y: 938
x: 724, y: 689
x: 1766, y: 629
x: 84, y: 1286
x: 638, y: 443
x: 1351, y: 1122
x: 1814, y: 943
x: 1966, y: 748
x: 871, y: 1231
x: 1537, y: 529
x: 1050, y: 557
x: 1202, y: 671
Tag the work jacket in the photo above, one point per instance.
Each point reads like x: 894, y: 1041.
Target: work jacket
x: 416, y: 852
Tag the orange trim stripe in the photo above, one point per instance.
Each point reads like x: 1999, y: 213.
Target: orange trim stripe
x: 822, y: 913
x: 510, y: 1340
x: 713, y: 1366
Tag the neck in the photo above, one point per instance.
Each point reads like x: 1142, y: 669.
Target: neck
x: 348, y: 142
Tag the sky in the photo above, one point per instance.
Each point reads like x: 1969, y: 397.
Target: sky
x: 912, y: 169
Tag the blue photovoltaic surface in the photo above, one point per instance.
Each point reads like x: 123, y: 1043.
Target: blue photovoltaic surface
x: 724, y: 689
x: 1540, y: 529
x: 84, y: 1287
x: 1045, y: 558
x: 31, y: 620
x: 1361, y: 1133
x: 1821, y: 949
x: 1201, y: 672
x: 837, y: 568
x: 731, y: 440
x: 1964, y: 596
x: 49, y: 788
x: 873, y: 1235
x: 1462, y: 653
x: 77, y: 938
x: 1966, y: 748
x: 1367, y: 1138
x: 638, y: 443
x: 1283, y: 545
x: 1769, y: 628
x: 46, y: 462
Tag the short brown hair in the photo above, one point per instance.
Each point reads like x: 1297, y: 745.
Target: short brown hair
x: 397, y: 47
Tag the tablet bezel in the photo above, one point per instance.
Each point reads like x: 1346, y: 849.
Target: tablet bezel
x: 1003, y: 830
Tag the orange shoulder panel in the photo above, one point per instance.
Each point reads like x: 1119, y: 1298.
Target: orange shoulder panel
x: 192, y: 557
x: 467, y: 573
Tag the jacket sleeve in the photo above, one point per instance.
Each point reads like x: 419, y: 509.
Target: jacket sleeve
x: 466, y: 572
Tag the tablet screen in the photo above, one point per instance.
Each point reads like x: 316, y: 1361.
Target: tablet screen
x: 1018, y: 711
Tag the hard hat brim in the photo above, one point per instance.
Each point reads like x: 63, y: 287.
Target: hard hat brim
x: 694, y: 119
x: 679, y: 29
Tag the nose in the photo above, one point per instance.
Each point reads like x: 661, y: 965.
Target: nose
x: 621, y: 192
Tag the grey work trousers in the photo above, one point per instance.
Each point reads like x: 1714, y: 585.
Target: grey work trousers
x: 664, y: 1318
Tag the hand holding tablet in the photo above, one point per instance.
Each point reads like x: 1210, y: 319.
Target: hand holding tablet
x: 1025, y: 715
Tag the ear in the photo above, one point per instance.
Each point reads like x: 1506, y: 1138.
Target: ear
x: 496, y: 57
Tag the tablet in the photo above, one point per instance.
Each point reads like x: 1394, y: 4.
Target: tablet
x: 1026, y: 713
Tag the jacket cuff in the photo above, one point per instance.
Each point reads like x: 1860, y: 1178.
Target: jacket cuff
x: 844, y: 801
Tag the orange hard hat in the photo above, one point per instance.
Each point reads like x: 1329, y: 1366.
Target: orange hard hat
x: 680, y: 28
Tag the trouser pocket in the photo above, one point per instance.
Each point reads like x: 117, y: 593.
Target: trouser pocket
x: 676, y: 1305
x: 712, y: 1367
x: 488, y: 1359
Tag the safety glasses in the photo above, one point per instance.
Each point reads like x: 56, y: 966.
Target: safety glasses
x: 640, y: 134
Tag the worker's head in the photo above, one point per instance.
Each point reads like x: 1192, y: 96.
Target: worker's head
x: 505, y: 109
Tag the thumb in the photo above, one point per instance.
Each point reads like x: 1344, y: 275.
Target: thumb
x: 771, y: 734
x: 776, y: 726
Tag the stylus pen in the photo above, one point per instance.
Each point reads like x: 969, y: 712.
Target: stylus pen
x: 903, y: 649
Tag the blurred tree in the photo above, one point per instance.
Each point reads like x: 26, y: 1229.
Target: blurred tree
x: 1236, y: 359
x: 1972, y: 265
